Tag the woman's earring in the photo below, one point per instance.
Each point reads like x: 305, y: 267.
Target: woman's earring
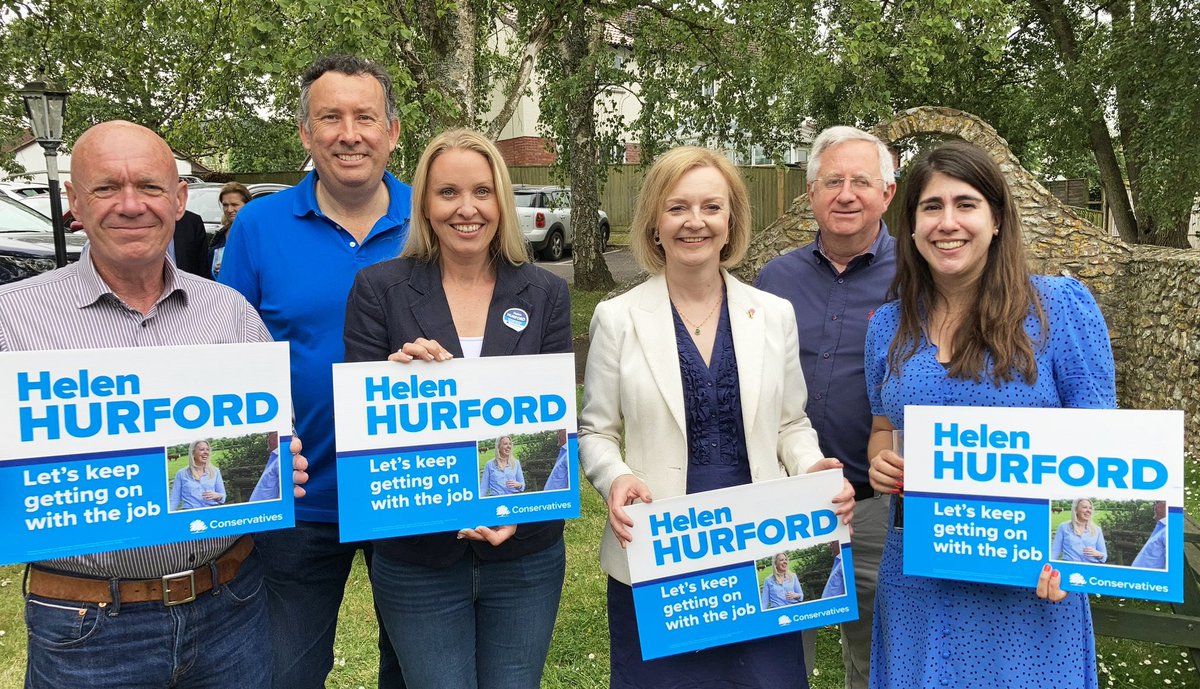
x: 996, y: 232
x: 657, y: 240
x: 914, y: 235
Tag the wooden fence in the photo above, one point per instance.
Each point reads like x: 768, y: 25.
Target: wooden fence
x: 771, y: 191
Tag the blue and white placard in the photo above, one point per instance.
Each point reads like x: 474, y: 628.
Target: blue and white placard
x: 703, y: 566
x: 95, y: 447
x: 425, y: 447
x: 994, y: 494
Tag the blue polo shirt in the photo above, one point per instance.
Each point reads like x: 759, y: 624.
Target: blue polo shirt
x: 296, y: 266
x: 832, y: 311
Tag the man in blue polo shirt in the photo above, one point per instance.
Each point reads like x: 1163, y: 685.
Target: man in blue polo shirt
x: 835, y: 284
x: 294, y: 256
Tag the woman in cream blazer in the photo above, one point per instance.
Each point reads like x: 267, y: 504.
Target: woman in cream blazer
x: 632, y: 382
x: 692, y: 221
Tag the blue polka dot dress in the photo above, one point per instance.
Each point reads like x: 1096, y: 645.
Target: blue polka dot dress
x: 938, y: 633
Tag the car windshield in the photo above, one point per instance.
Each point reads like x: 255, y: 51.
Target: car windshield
x: 525, y: 199
x: 205, y: 202
x: 17, y: 218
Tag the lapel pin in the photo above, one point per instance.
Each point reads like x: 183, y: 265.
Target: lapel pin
x: 750, y: 313
x: 516, y: 319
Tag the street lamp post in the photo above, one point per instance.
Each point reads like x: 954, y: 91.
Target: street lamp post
x: 46, y: 107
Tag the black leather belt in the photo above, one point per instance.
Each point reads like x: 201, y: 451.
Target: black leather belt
x: 863, y: 491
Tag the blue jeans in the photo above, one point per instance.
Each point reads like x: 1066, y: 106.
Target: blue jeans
x: 219, y: 640
x: 306, y: 572
x: 474, y: 624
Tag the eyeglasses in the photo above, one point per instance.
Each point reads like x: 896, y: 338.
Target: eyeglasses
x: 857, y: 182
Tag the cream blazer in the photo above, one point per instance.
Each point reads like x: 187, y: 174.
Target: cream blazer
x: 632, y: 384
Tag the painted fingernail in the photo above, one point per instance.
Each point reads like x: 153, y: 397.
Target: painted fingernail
x: 1046, y: 568
x: 1054, y: 575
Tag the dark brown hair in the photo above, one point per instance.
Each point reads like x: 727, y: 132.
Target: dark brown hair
x: 1003, y: 295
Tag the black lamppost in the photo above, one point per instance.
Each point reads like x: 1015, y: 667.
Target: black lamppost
x: 46, y: 108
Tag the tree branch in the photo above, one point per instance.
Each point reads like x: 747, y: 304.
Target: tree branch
x: 537, y: 40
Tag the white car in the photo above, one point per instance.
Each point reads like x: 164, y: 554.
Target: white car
x: 19, y: 190
x: 544, y: 214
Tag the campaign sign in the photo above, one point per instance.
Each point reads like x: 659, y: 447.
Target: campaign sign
x: 993, y: 495
x: 106, y: 449
x: 425, y: 447
x: 740, y: 563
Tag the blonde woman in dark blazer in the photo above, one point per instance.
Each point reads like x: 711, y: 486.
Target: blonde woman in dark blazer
x: 473, y: 609
x: 701, y: 374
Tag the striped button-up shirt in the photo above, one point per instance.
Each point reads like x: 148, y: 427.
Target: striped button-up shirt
x: 73, y: 308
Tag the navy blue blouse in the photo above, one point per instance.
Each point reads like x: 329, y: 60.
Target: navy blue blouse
x: 712, y: 402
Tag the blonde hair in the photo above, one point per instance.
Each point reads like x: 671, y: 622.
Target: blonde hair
x: 1082, y: 527
x: 664, y: 174
x: 422, y: 244
x: 208, y: 468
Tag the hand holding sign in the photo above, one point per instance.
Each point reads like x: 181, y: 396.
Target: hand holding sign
x: 1047, y: 586
x: 421, y: 348
x: 625, y: 490
x: 299, y: 468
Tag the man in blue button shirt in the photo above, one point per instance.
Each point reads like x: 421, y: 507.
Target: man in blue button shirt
x: 294, y: 256
x: 835, y: 284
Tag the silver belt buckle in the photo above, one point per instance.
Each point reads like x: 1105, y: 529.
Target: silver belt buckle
x: 190, y: 575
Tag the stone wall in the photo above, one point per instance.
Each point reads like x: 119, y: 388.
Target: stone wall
x: 1150, y: 296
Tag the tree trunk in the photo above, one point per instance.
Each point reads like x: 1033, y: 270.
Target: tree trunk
x: 1054, y: 14
x: 582, y: 39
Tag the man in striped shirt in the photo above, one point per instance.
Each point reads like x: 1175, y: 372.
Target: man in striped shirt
x: 128, y: 618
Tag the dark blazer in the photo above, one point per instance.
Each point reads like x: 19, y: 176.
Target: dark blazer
x: 191, y: 245
x: 400, y: 300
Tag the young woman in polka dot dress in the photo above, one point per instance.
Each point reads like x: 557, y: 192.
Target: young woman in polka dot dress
x: 971, y: 327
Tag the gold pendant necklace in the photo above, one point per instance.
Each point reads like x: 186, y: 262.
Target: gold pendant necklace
x: 696, y: 326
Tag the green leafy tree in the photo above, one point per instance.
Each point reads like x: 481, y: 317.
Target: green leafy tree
x: 171, y: 65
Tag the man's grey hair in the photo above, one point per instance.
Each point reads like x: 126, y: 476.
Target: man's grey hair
x: 352, y: 66
x: 839, y: 135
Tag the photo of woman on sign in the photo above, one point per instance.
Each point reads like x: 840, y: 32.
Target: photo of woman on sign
x: 781, y: 587
x: 1080, y: 539
x: 971, y: 327
x: 199, y: 483
x: 502, y: 475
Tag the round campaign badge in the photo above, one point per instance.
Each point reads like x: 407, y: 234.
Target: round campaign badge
x: 516, y: 319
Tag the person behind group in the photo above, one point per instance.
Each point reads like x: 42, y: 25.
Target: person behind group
x: 233, y: 197
x: 109, y: 619
x: 834, y: 285
x: 189, y: 244
x: 971, y: 327
x: 1153, y: 554
x: 502, y: 474
x: 294, y: 255
x: 1079, y: 539
x: 709, y: 369
x: 781, y: 587
x: 199, y: 483
x: 558, y: 479
x: 476, y: 608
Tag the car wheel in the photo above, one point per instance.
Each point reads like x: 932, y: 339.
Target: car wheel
x: 555, y: 247
x: 603, y: 237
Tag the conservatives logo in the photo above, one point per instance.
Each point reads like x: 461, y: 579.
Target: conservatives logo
x: 502, y: 511
x: 197, y: 526
x: 784, y: 620
x: 1077, y: 579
